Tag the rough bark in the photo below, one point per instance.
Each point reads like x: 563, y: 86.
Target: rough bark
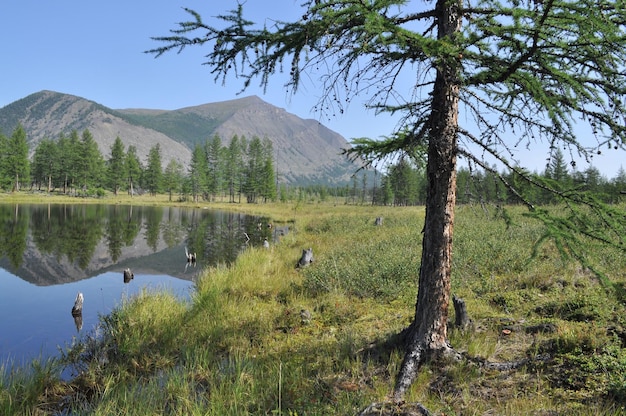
x: 428, y: 337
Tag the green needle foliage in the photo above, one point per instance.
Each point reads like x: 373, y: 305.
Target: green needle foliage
x: 489, y: 76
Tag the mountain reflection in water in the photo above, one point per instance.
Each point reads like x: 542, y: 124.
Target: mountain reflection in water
x: 49, y: 253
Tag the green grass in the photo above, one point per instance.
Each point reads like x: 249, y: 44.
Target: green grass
x: 240, y: 345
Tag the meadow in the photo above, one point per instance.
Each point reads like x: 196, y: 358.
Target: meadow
x: 262, y: 337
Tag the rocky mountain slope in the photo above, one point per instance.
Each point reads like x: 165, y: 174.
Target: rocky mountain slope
x: 306, y: 151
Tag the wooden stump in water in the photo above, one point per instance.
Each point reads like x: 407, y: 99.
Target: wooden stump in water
x: 77, y: 309
x: 128, y: 276
x: 191, y: 257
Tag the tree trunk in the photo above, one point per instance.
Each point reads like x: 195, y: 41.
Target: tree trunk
x: 427, y: 338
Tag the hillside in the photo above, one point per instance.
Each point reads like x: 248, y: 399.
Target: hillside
x: 306, y: 151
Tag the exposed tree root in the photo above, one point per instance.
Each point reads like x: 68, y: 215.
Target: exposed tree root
x: 507, y: 365
x: 395, y: 406
x: 393, y: 409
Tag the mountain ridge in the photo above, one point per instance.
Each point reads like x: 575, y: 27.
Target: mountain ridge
x: 306, y: 152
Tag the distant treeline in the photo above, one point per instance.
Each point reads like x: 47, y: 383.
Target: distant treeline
x: 72, y: 164
x: 244, y: 170
x: 405, y: 184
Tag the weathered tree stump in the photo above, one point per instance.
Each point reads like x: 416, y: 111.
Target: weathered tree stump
x: 191, y: 257
x: 460, y: 311
x: 306, y: 259
x: 128, y: 275
x: 305, y: 316
x: 77, y: 309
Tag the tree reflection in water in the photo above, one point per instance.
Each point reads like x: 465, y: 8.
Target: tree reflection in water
x: 48, y: 253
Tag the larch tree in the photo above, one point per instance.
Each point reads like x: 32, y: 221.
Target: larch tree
x: 68, y: 151
x: 17, y: 158
x: 154, y: 171
x: 233, y: 166
x: 254, y: 170
x: 90, y: 162
x: 198, y: 170
x: 213, y: 150
x: 46, y: 163
x: 73, y: 154
x: 268, y: 177
x: 520, y: 72
x: 173, y: 177
x: 116, y: 168
x: 4, y: 181
x: 133, y: 168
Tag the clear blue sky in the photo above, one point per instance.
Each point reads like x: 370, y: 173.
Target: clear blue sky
x: 95, y: 50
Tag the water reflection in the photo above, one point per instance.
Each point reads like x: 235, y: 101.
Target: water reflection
x: 49, y: 253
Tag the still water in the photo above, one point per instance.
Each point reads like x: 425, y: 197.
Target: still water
x: 49, y: 253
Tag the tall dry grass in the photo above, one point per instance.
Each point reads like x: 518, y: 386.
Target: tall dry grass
x: 241, y: 345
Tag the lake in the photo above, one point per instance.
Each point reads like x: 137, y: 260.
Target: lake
x: 49, y: 253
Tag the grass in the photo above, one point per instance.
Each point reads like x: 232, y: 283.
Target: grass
x: 240, y: 346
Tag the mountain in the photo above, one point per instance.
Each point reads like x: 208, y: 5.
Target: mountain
x: 47, y: 269
x: 46, y: 114
x: 306, y: 151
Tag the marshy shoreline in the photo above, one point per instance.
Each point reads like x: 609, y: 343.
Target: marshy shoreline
x: 263, y: 337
